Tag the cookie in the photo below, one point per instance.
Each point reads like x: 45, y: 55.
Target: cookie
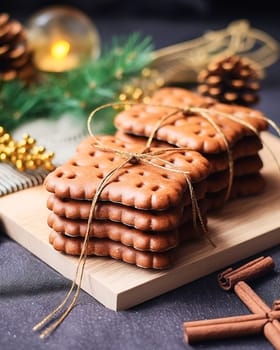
x: 242, y: 166
x: 139, y: 240
x: 244, y: 154
x: 247, y: 185
x: 115, y: 250
x: 243, y: 186
x: 192, y: 130
x: 179, y: 97
x: 247, y: 146
x: 217, y: 182
x: 145, y: 220
x: 247, y: 165
x: 142, y: 186
x: 141, y: 140
x: 184, y: 98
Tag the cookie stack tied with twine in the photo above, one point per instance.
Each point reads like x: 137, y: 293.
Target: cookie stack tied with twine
x: 132, y: 203
x: 228, y: 136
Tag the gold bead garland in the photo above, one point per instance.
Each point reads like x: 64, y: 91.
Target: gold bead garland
x: 24, y: 154
x: 140, y: 88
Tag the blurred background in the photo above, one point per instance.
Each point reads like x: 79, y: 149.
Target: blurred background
x: 176, y: 9
x: 169, y: 22
x: 161, y: 18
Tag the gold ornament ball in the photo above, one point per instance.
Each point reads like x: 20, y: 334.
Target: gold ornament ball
x: 62, y: 38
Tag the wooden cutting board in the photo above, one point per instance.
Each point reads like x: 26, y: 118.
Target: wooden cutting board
x: 242, y: 228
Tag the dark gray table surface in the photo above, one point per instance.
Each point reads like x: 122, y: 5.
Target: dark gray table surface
x: 29, y: 288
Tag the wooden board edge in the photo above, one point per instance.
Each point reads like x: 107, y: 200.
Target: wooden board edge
x: 52, y: 258
x: 216, y: 261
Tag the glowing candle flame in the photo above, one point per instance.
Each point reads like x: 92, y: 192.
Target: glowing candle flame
x: 60, y: 49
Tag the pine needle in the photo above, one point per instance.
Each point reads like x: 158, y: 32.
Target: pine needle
x: 77, y: 91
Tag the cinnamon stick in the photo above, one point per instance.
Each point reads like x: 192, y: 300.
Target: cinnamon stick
x: 229, y: 327
x: 253, y: 302
x: 255, y: 268
x: 272, y: 333
x: 234, y: 279
x: 264, y: 319
x: 220, y: 328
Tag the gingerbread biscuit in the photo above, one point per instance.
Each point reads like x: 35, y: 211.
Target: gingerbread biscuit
x: 247, y: 185
x: 139, y: 240
x: 243, y: 186
x: 145, y: 220
x: 192, y: 130
x: 184, y: 98
x: 141, y: 140
x: 247, y: 165
x: 179, y: 97
x: 142, y: 186
x: 242, y: 166
x: 217, y: 182
x: 247, y: 146
x: 115, y: 250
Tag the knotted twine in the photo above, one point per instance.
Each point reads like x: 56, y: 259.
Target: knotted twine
x: 146, y: 156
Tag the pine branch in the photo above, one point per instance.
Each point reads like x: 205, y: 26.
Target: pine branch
x: 77, y: 91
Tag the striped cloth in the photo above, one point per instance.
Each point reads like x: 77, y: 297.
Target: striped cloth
x: 12, y: 180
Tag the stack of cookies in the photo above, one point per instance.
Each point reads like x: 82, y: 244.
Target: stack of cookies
x: 218, y: 139
x: 143, y: 213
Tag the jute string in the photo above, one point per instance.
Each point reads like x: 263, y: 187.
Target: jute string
x: 130, y: 158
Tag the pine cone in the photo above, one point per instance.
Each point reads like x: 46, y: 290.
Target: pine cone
x: 15, y: 58
x: 232, y: 79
